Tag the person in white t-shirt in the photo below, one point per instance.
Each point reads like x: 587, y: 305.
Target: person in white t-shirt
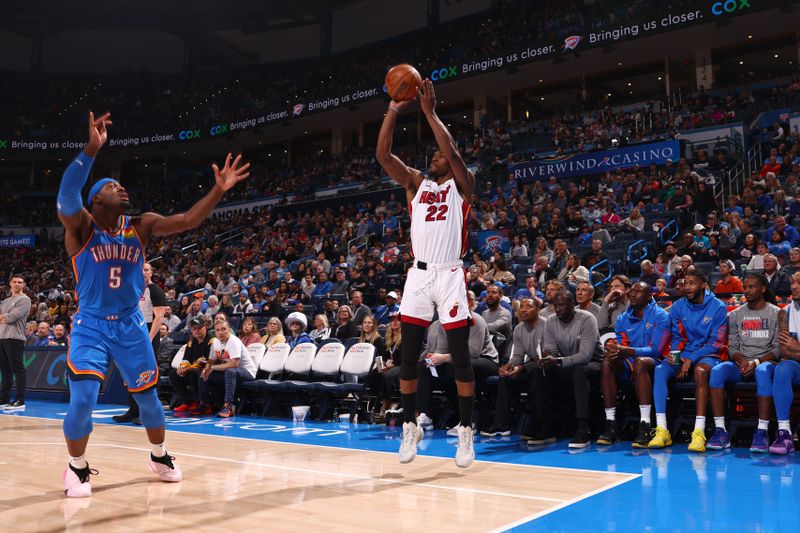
x: 229, y: 364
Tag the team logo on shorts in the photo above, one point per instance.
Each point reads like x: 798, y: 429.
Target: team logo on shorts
x: 145, y: 377
x: 706, y: 319
x: 454, y: 310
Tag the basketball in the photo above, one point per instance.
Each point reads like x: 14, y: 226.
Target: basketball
x: 402, y: 82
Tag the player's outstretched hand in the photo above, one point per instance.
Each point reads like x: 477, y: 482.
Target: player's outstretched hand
x: 98, y: 134
x: 427, y: 96
x: 231, y: 173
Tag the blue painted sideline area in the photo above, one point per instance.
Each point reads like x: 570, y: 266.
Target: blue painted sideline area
x: 676, y: 491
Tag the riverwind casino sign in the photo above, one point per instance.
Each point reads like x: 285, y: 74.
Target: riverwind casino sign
x: 591, y: 163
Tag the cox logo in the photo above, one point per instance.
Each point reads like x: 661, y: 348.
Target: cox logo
x: 729, y: 6
x: 189, y: 134
x: 219, y: 129
x: 444, y: 73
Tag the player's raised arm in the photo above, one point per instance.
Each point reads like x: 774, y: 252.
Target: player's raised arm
x: 226, y: 177
x: 73, y: 216
x: 405, y: 176
x: 465, y: 180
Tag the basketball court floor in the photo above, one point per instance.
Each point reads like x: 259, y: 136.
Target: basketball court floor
x: 256, y: 474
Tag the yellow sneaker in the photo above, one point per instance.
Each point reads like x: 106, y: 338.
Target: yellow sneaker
x: 662, y: 438
x: 698, y: 443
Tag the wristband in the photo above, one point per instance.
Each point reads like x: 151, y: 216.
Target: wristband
x: 758, y: 362
x: 393, y: 109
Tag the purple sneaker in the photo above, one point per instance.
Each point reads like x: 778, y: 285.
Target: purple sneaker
x: 760, y: 442
x: 719, y: 440
x: 783, y: 444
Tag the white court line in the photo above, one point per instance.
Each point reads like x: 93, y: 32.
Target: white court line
x: 567, y: 503
x: 564, y: 468
x: 320, y: 472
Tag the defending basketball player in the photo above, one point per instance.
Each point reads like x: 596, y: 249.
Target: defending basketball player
x: 107, y: 251
x: 439, y: 206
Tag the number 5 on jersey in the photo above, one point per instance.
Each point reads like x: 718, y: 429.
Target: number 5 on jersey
x: 114, y: 277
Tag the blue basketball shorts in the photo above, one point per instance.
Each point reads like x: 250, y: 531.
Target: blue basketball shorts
x: 95, y: 341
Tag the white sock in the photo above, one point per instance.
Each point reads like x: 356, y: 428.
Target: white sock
x: 611, y: 414
x: 159, y: 450
x: 719, y: 422
x: 79, y: 462
x: 700, y: 422
x: 661, y: 420
x: 763, y: 424
x: 644, y: 413
x: 784, y: 424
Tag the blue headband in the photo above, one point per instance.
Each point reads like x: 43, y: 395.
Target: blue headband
x: 96, y: 189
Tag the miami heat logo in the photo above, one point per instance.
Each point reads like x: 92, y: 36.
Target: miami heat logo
x: 571, y: 42
x: 145, y: 377
x: 454, y: 310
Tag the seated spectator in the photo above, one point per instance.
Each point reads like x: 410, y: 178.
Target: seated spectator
x: 165, y: 350
x: 642, y: 336
x: 274, y: 334
x: 195, y: 311
x: 518, y: 248
x: 793, y: 264
x: 729, y: 283
x: 595, y: 256
x: 779, y: 282
x: 500, y: 272
x: 615, y: 302
x: 699, y: 332
x: 341, y: 285
x: 323, y: 288
x: 438, y: 363
x: 184, y: 378
x: 756, y: 259
x: 661, y: 289
x: 226, y: 305
x: 779, y: 246
x: 528, y: 291
x: 648, y: 273
x: 249, y: 332
x: 753, y: 346
x: 542, y: 271
x: 42, y: 337
x: 59, y: 337
x: 214, y: 306
x: 384, y: 376
x: 172, y: 322
x: 551, y: 290
x: 517, y: 374
x: 229, y: 365
x: 790, y: 232
x: 384, y: 312
x: 584, y: 298
x: 573, y: 272
x: 307, y: 286
x: 345, y: 328
x: 686, y: 264
x: 358, y: 308
x: 243, y: 306
x: 569, y: 343
x: 369, y: 333
x: 297, y: 324
x: 321, y: 329
x: 787, y: 373
x: 474, y: 282
x: 634, y: 222
x: 497, y: 318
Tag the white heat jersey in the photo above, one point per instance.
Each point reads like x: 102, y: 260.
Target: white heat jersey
x: 438, y: 223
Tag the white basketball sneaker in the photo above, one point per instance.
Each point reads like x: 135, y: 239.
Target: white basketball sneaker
x: 165, y: 468
x: 76, y: 482
x: 412, y: 434
x: 465, y: 454
x: 425, y: 422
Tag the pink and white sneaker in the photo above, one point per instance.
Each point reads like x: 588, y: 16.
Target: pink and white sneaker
x: 76, y: 482
x: 165, y: 468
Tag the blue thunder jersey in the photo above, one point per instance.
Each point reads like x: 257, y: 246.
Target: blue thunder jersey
x: 108, y: 272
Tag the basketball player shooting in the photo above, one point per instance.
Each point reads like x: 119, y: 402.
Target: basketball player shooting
x: 107, y: 251
x: 439, y: 206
